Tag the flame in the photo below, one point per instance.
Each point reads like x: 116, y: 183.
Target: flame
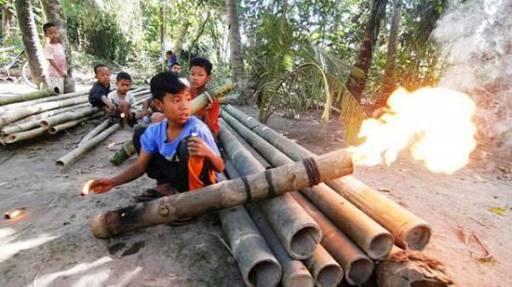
x: 13, y: 214
x: 435, y: 122
x: 122, y: 115
x: 86, y: 188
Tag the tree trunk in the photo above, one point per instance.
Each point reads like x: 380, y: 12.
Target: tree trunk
x: 162, y: 36
x: 389, y: 83
x: 55, y: 14
x: 33, y: 47
x: 7, y: 19
x: 178, y: 44
x: 235, y: 43
x: 357, y: 78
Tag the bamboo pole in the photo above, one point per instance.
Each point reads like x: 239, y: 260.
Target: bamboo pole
x: 364, y: 231
x: 294, y: 271
x: 298, y: 232
x: 35, y: 120
x: 60, y: 127
x: 29, y: 96
x: 357, y: 266
x: 224, y: 194
x: 68, y: 116
x: 75, y: 154
x: 257, y: 264
x: 326, y: 271
x: 42, y: 100
x: 95, y: 131
x: 25, y: 135
x: 408, y: 230
x: 12, y: 116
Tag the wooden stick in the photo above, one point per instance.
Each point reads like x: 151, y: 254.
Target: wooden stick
x: 68, y: 116
x: 29, y: 96
x: 95, y: 131
x: 58, y: 128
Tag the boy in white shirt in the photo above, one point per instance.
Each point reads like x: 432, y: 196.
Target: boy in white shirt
x: 123, y: 100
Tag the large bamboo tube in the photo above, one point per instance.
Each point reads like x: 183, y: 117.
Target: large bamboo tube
x: 35, y: 120
x: 326, y: 271
x: 29, y: 96
x: 272, y: 182
x: 95, y: 131
x: 75, y: 154
x: 60, y: 127
x: 196, y: 105
x: 25, y: 135
x: 364, y: 231
x: 294, y: 271
x: 298, y: 232
x: 257, y: 264
x: 12, y: 116
x: 68, y: 116
x: 39, y: 101
x: 357, y: 266
x: 408, y: 230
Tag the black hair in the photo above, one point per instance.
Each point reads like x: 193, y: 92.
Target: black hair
x: 96, y: 67
x: 175, y: 64
x: 123, y: 76
x: 166, y: 82
x: 202, y: 62
x: 47, y: 26
x: 168, y: 52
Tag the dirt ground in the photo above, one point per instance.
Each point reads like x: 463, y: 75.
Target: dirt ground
x: 51, y: 245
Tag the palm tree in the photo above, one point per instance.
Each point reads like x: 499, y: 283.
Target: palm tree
x: 33, y: 47
x: 237, y: 63
x: 357, y: 79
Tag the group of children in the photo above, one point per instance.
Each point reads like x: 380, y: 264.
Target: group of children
x: 177, y: 149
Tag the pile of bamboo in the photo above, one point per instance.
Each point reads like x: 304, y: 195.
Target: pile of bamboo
x: 359, y: 226
x: 27, y: 116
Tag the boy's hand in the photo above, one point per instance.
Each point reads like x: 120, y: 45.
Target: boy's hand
x: 197, y: 147
x: 101, y: 185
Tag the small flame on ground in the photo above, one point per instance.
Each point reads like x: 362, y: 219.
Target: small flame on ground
x: 435, y: 122
x: 122, y: 115
x: 86, y: 188
x: 13, y: 214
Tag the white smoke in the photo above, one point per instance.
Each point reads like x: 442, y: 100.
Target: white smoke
x: 476, y: 42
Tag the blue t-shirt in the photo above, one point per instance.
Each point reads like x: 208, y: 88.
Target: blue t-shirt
x: 154, y: 139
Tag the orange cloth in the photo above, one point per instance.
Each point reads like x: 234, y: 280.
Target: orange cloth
x: 210, y: 116
x: 196, y: 169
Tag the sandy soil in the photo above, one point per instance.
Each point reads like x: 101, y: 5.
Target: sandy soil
x: 51, y: 245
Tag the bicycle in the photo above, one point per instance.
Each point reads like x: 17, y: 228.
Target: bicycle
x: 18, y: 60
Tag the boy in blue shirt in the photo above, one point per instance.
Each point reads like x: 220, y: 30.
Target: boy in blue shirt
x: 178, y: 152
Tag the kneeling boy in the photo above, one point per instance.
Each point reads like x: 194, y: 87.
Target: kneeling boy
x: 179, y: 152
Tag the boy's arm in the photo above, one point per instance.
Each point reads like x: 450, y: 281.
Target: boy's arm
x: 134, y: 171
x: 198, y: 147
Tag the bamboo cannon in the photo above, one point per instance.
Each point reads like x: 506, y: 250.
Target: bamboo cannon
x: 294, y: 271
x: 68, y: 116
x: 364, y: 231
x: 95, y: 131
x: 196, y: 105
x: 35, y: 120
x: 270, y: 183
x: 60, y: 127
x: 298, y: 232
x: 357, y: 266
x: 75, y: 154
x: 14, y: 115
x: 408, y: 230
x: 257, y: 264
x: 24, y: 135
x: 29, y: 96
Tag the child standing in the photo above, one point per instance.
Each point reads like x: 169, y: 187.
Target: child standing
x: 199, y: 75
x: 123, y: 100
x: 98, y: 95
x: 179, y: 152
x: 56, y: 55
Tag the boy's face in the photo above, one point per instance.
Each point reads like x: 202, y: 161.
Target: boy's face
x: 103, y: 76
x: 123, y: 86
x: 175, y: 107
x: 176, y: 69
x: 53, y: 34
x: 198, y: 77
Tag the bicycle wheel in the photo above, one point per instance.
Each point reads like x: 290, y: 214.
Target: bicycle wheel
x: 27, y: 76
